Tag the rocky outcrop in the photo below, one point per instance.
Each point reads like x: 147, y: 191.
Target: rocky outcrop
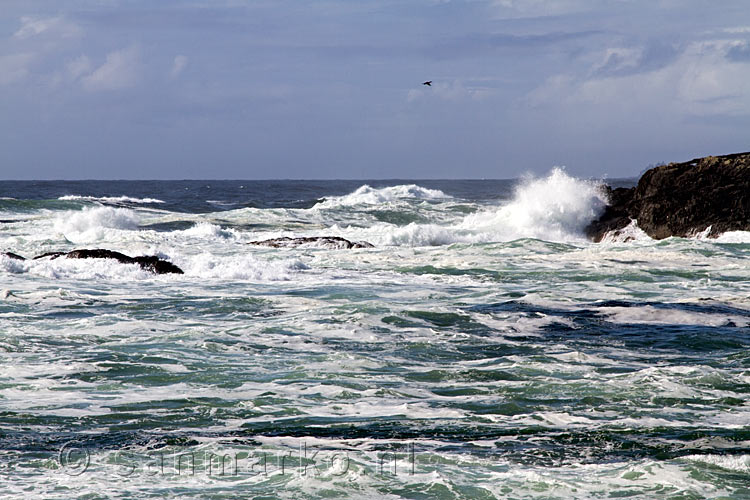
x: 147, y: 262
x: 682, y: 199
x: 331, y: 242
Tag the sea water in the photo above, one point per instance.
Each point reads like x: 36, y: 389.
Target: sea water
x: 483, y: 348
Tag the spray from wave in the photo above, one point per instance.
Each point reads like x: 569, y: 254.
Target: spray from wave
x: 557, y: 207
x: 554, y: 208
x: 93, y: 224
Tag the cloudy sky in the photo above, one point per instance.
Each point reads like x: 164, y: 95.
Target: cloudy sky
x: 260, y: 89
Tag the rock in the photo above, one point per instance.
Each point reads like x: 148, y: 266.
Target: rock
x: 14, y: 256
x: 51, y: 255
x: 156, y: 265
x: 149, y: 263
x: 333, y: 242
x: 683, y: 199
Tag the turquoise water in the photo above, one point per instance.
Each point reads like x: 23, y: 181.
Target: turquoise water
x: 482, y: 349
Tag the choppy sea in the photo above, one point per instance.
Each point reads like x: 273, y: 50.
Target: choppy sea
x: 483, y: 348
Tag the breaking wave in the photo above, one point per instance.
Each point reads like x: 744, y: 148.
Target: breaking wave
x: 554, y: 208
x: 367, y: 195
x: 110, y: 199
x: 95, y: 223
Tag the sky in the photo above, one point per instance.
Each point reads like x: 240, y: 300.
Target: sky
x: 332, y: 89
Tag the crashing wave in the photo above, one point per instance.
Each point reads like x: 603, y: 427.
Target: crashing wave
x: 554, y: 208
x: 95, y: 223
x: 367, y: 195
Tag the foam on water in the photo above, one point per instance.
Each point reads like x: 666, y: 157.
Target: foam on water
x: 553, y: 208
x: 208, y: 231
x: 110, y: 199
x: 739, y: 463
x: 367, y: 195
x: 239, y: 267
x: 526, y: 368
x: 631, y: 232
x: 78, y: 269
x: 734, y: 237
x: 202, y: 265
x: 649, y: 315
x: 95, y: 223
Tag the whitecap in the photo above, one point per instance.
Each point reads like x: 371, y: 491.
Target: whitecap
x: 95, y: 223
x: 240, y: 267
x: 557, y: 207
x: 111, y: 199
x: 367, y: 195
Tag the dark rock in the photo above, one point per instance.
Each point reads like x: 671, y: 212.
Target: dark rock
x: 14, y: 256
x: 51, y: 255
x: 99, y: 253
x: 149, y: 263
x: 333, y: 242
x: 683, y: 199
x: 157, y: 265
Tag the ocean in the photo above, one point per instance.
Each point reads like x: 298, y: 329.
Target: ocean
x: 482, y: 348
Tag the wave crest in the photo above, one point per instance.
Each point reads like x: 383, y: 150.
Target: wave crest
x: 367, y: 195
x: 553, y: 208
x: 110, y: 199
x: 557, y: 207
x: 95, y: 223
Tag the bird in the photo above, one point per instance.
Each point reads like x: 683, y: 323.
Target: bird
x: 428, y: 83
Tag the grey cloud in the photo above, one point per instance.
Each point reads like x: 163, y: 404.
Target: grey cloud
x: 633, y: 60
x: 739, y: 53
x: 478, y: 44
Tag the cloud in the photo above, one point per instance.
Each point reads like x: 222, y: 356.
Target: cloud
x: 178, y: 66
x: 739, y: 52
x: 14, y: 68
x: 701, y: 81
x: 78, y: 67
x: 479, y: 43
x: 120, y: 70
x: 540, y: 8
x: 32, y: 26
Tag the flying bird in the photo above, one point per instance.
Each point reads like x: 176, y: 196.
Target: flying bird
x: 428, y: 83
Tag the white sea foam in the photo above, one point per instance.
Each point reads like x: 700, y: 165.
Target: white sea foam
x: 81, y: 269
x: 95, y: 223
x: 737, y: 463
x: 557, y: 207
x: 553, y: 208
x: 240, y: 267
x: 110, y: 199
x: 367, y: 195
x: 13, y: 266
x: 204, y: 265
x: 207, y: 230
x: 631, y: 232
x: 734, y: 237
x: 650, y: 315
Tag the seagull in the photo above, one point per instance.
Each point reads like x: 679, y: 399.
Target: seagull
x: 428, y: 83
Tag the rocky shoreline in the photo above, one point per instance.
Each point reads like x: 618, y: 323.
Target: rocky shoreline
x: 682, y: 199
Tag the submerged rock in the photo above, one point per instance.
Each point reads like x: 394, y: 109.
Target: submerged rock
x: 147, y: 262
x: 332, y: 242
x: 682, y: 199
